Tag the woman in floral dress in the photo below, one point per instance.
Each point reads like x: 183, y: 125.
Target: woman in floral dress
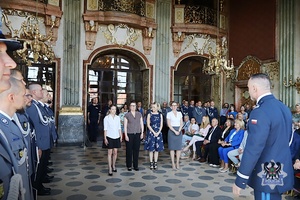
x: 154, y: 140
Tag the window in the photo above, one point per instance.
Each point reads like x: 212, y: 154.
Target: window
x: 119, y: 81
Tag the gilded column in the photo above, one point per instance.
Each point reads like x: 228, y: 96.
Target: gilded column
x: 163, y: 43
x: 286, y: 16
x: 71, y: 120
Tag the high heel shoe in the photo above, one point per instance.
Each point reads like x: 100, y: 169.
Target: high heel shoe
x: 224, y: 170
x: 114, y: 170
x: 151, y: 165
x: 155, y: 166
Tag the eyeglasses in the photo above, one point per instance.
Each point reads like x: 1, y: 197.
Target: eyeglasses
x: 132, y: 105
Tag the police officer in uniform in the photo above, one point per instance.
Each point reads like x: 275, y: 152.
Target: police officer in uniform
x: 50, y: 114
x: 267, y: 164
x: 44, y: 141
x: 12, y: 100
x: 8, y: 162
x: 52, y: 126
x: 22, y: 120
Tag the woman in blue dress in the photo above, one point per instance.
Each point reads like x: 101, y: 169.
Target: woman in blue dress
x: 154, y: 140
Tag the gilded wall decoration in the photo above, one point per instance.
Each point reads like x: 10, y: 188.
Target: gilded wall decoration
x: 148, y: 35
x: 150, y: 10
x: 92, y: 4
x: 146, y: 85
x: 245, y: 97
x: 135, y: 7
x: 200, y: 15
x: 121, y: 35
x: 272, y: 69
x: 250, y: 65
x: 179, y: 14
x: 91, y: 29
x: 51, y: 22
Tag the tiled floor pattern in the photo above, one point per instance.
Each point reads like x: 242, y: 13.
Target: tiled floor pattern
x: 81, y: 173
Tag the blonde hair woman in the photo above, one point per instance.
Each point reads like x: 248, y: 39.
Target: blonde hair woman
x: 204, y: 127
x: 154, y: 140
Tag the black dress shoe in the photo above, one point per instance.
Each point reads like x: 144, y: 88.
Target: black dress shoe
x: 114, y: 170
x: 49, y: 170
x: 110, y: 174
x: 49, y: 177
x: 137, y: 169
x: 47, y: 189
x: 129, y: 169
x: 43, y: 192
x: 47, y: 180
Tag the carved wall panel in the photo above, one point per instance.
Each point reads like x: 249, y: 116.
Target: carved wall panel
x: 150, y: 10
x: 146, y: 100
x: 250, y: 65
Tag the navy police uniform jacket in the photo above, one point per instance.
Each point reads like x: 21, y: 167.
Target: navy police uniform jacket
x: 6, y: 167
x: 19, y: 148
x: 267, y: 164
x: 39, y: 119
x: 52, y: 122
x: 22, y: 121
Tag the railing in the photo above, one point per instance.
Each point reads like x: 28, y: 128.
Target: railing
x: 134, y: 6
x: 200, y: 15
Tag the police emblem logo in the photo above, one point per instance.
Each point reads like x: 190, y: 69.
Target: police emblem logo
x: 4, y: 121
x: 272, y: 174
x: 24, y: 125
x: 21, y: 153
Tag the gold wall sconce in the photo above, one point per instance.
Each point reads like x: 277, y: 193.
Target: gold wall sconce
x: 292, y: 83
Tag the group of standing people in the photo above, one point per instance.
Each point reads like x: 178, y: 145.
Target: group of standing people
x: 266, y: 165
x: 27, y: 131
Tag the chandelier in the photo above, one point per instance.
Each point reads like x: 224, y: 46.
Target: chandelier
x: 104, y: 62
x: 217, y: 55
x: 217, y: 61
x: 36, y: 46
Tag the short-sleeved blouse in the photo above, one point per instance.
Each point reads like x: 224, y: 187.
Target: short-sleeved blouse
x: 175, y: 120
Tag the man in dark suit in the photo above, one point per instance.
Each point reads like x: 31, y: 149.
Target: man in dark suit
x: 267, y: 164
x: 210, y: 141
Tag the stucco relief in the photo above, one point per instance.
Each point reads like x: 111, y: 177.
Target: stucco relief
x: 121, y: 35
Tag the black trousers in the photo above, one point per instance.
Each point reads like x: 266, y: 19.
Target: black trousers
x: 93, y: 131
x: 214, y: 154
x: 199, y: 148
x: 198, y: 145
x: 164, y: 131
x: 41, y: 170
x: 133, y: 149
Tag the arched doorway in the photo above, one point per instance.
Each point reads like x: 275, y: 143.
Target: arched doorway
x: 118, y: 76
x: 190, y: 83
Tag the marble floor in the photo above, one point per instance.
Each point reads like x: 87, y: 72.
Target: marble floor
x: 81, y: 173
